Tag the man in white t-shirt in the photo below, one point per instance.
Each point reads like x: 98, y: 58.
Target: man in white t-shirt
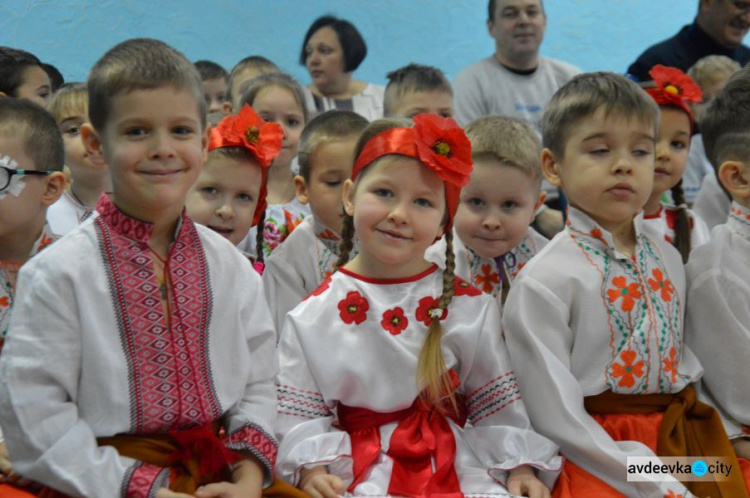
x: 515, y: 81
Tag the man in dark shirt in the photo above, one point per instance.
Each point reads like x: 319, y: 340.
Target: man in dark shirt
x: 718, y: 29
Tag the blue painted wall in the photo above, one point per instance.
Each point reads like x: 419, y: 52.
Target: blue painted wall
x: 450, y: 34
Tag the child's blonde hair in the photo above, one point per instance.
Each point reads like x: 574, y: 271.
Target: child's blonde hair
x: 282, y: 80
x: 140, y: 64
x: 508, y: 141
x: 328, y: 127
x: 411, y: 79
x: 711, y: 69
x: 431, y: 369
x: 72, y: 99
x: 584, y: 95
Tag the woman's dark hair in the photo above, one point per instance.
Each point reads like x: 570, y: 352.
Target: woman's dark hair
x: 352, y: 43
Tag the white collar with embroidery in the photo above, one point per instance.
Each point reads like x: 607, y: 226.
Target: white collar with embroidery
x: 582, y: 224
x: 739, y: 220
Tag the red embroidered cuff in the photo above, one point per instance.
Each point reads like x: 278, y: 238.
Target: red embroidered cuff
x: 144, y: 481
x: 255, y: 441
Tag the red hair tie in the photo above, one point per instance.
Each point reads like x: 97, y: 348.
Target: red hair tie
x: 262, y: 140
x: 437, y: 142
x: 673, y: 87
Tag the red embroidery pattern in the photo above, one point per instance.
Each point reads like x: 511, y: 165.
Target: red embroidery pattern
x: 170, y: 377
x: 464, y: 288
x: 255, y: 440
x: 300, y: 403
x: 492, y: 397
x: 4, y: 301
x: 321, y: 288
x: 394, y: 321
x: 426, y: 305
x: 144, y: 479
x: 659, y: 284
x: 627, y: 291
x: 672, y: 494
x: 628, y: 371
x: 488, y: 279
x: 670, y: 364
x: 353, y: 309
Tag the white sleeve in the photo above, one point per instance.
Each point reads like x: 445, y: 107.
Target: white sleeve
x: 39, y: 372
x: 250, y: 423
x: 539, y: 342
x: 467, y: 98
x: 284, y: 288
x: 718, y: 332
x: 699, y: 233
x: 305, y: 418
x: 496, y: 410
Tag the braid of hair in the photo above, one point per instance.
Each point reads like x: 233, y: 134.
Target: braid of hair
x: 431, y: 368
x: 347, y: 241
x: 682, y: 223
x: 259, y: 238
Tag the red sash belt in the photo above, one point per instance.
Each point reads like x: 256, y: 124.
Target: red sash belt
x: 422, y: 434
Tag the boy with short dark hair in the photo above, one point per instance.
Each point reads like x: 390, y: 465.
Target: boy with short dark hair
x: 415, y: 89
x: 141, y: 334
x: 214, y: 79
x: 22, y: 76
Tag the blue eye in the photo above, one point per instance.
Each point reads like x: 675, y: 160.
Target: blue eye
x: 423, y: 203
x: 509, y: 205
x: 383, y: 192
x: 245, y: 197
x: 210, y: 190
x: 136, y: 132
x: 475, y: 202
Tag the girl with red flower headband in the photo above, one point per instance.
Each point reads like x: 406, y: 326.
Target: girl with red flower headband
x: 229, y: 197
x: 672, y: 90
x: 402, y: 353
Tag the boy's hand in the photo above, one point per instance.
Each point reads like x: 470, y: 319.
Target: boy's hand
x: 227, y: 490
x: 165, y: 493
x: 742, y: 448
x: 523, y: 482
x: 319, y: 484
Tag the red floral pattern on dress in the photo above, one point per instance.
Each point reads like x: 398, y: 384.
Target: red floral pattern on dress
x: 321, y: 288
x: 353, y: 309
x: 670, y: 364
x: 628, y: 370
x: 488, y: 279
x: 659, y: 284
x: 628, y: 292
x: 426, y: 306
x: 394, y: 321
x: 464, y: 288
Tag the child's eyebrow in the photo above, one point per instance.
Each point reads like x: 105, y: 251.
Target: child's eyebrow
x: 71, y: 118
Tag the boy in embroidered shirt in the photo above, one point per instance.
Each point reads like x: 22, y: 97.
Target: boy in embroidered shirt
x: 31, y: 180
x: 718, y: 318
x: 70, y: 108
x: 307, y: 256
x: 416, y: 89
x: 594, y: 322
x: 492, y: 237
x: 140, y: 334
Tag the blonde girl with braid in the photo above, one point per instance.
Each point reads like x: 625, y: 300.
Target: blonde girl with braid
x: 407, y: 358
x: 673, y: 90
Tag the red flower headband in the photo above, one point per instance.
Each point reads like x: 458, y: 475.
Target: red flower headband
x: 673, y: 87
x: 263, y: 140
x: 437, y: 142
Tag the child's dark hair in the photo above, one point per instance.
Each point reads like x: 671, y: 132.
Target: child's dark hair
x: 42, y: 139
x: 352, y: 43
x: 327, y: 127
x: 56, y: 78
x: 140, y: 64
x: 13, y: 63
x: 682, y: 229
x: 413, y: 78
x: 210, y: 70
x: 431, y: 369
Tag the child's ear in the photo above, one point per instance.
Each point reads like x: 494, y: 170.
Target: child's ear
x: 53, y: 188
x: 93, y: 144
x: 733, y: 176
x: 204, y: 144
x: 348, y: 197
x: 300, y: 186
x: 551, y: 168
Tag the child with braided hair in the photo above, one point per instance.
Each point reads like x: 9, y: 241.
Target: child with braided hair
x: 411, y: 352
x: 672, y: 91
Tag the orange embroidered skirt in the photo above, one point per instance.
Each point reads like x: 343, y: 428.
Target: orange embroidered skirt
x: 670, y: 425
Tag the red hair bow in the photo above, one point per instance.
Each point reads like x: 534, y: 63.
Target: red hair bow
x: 673, y: 87
x: 437, y: 142
x: 262, y: 140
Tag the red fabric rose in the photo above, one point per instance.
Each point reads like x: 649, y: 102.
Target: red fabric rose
x: 443, y: 146
x: 353, y: 309
x: 394, y: 321
x: 426, y: 306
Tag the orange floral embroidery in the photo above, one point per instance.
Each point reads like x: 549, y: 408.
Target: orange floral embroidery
x: 628, y: 292
x: 659, y: 284
x: 45, y: 241
x: 672, y: 494
x: 4, y: 301
x: 670, y: 364
x: 596, y: 233
x: 628, y: 371
x: 487, y: 279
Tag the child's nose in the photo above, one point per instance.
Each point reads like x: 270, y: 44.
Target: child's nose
x: 161, y: 146
x: 623, y: 165
x: 397, y: 213
x: 492, y: 221
x: 662, y: 151
x: 225, y: 211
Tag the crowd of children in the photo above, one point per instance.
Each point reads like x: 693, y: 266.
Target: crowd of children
x: 230, y: 297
